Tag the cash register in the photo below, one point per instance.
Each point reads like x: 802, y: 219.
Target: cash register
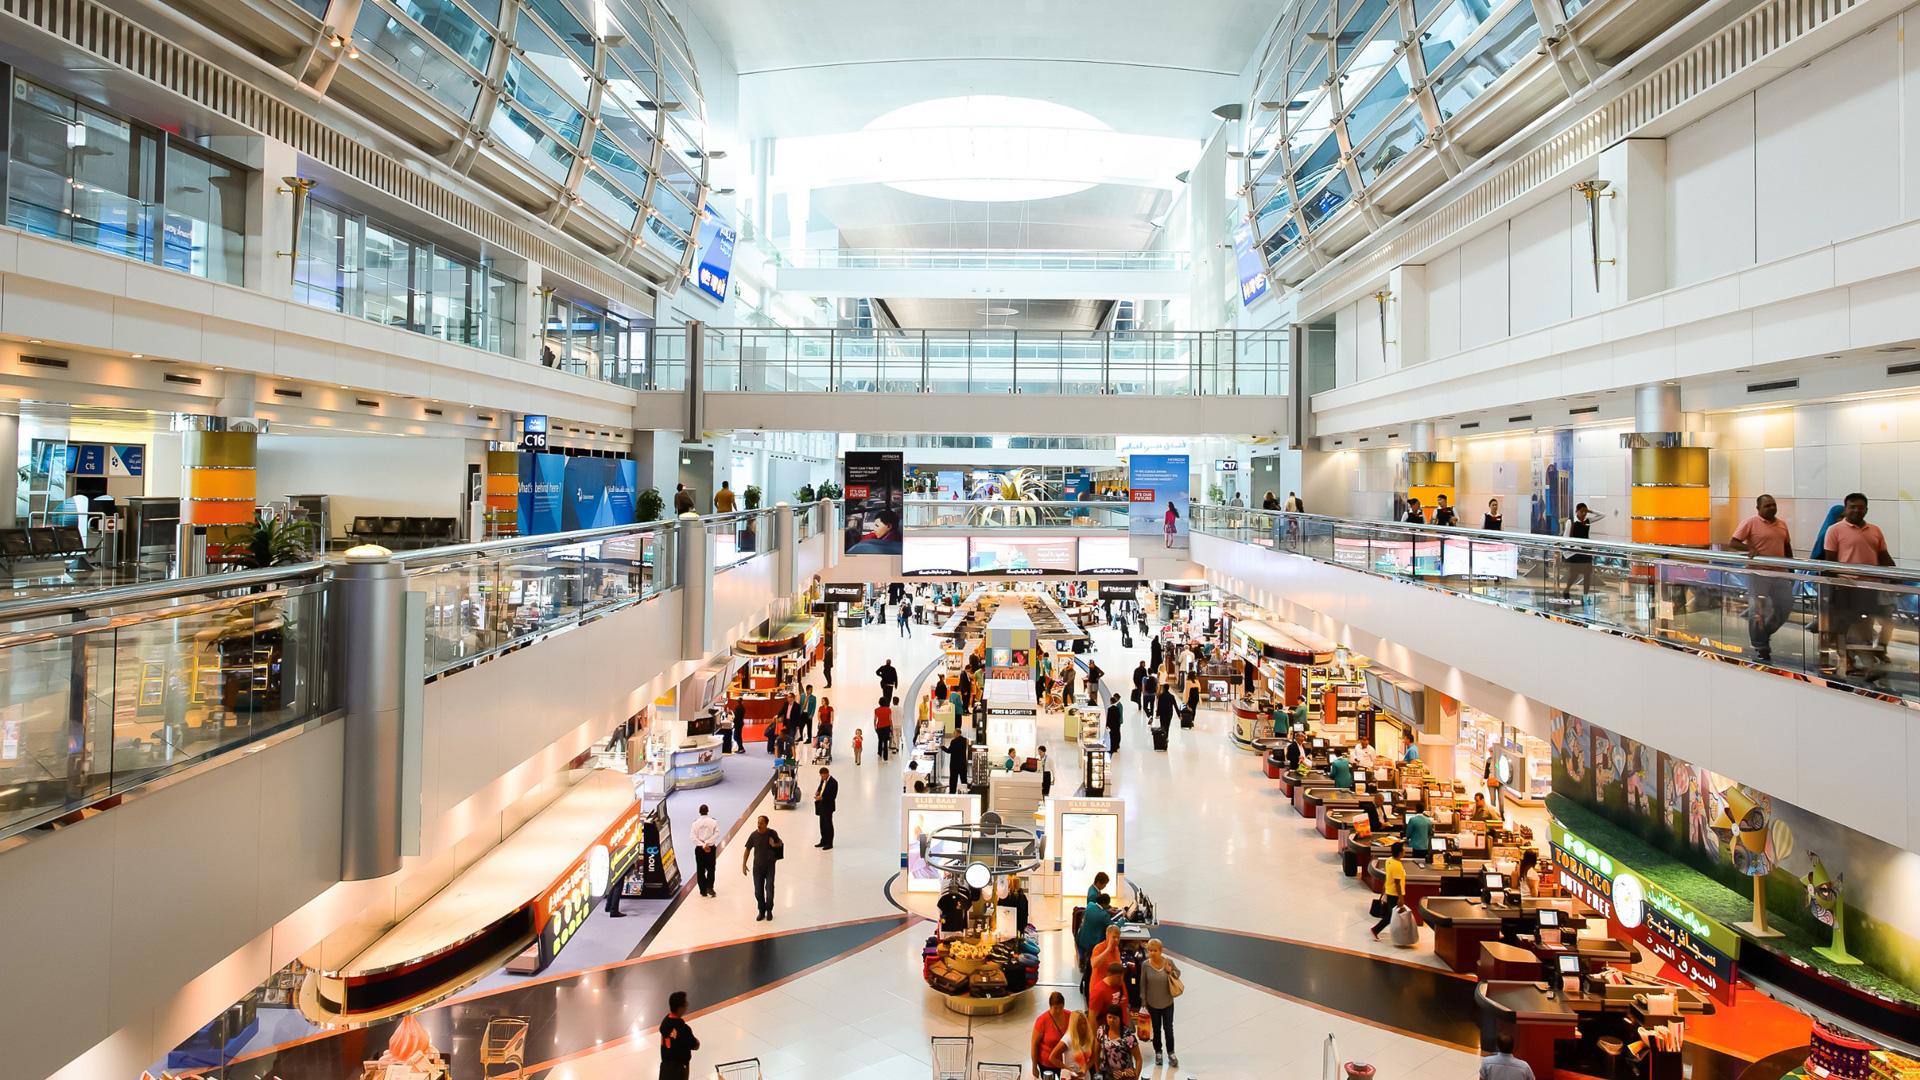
x: 1566, y: 970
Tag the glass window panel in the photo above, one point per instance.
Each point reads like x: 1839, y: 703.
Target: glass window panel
x: 205, y: 231
x: 678, y: 175
x: 1282, y: 241
x: 81, y: 175
x: 683, y: 91
x: 667, y: 25
x: 384, y: 38
x: 315, y: 8
x: 1306, y: 125
x: 636, y: 31
x: 1319, y: 207
x: 1265, y: 143
x: 1359, y: 27
x: 502, y: 318
x: 1482, y: 63
x: 605, y: 196
x: 1324, y: 159
x: 635, y: 138
x: 324, y: 271
x: 386, y: 279
x: 661, y: 235
x: 1424, y: 8
x: 613, y: 159
x: 1274, y: 199
x: 675, y: 210
x: 547, y: 57
x: 519, y: 133
x: 455, y: 28
x: 543, y: 101
x: 487, y: 9
x: 1372, y: 56
x: 1387, y: 95
x: 1309, y: 58
x: 1455, y: 25
x: 1312, y: 75
x: 451, y: 315
x: 566, y: 25
x: 1572, y: 6
x: 1395, y: 142
x: 638, y: 98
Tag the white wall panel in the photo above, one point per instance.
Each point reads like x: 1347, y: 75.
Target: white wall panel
x: 1541, y: 267
x: 1483, y: 289
x: 1346, y: 345
x: 1443, y: 303
x: 370, y: 474
x: 1827, y: 165
x: 1710, y: 193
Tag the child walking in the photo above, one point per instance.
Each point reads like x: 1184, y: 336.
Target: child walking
x: 859, y: 740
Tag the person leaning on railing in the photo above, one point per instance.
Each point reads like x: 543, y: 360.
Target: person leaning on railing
x: 1852, y: 540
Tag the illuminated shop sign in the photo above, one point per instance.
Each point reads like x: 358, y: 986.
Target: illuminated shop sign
x: 1700, y: 948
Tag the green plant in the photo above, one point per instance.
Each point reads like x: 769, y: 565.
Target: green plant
x: 649, y: 506
x: 266, y: 541
x: 1216, y: 494
x: 753, y: 496
x: 827, y: 490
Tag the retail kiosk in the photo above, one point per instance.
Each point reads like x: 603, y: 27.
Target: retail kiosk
x: 778, y: 660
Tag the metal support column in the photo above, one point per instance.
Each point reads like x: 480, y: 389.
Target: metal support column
x: 370, y: 640
x: 785, y: 550
x: 694, y: 416
x: 836, y: 537
x: 696, y: 589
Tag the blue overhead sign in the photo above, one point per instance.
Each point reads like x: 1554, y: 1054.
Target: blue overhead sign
x: 714, y: 263
x: 1253, y: 269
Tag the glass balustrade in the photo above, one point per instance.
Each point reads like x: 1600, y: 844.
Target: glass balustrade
x: 1857, y: 626
x: 1023, y: 514
x: 108, y: 691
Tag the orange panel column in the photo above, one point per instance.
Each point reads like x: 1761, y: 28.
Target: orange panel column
x: 218, y: 486
x: 1669, y: 499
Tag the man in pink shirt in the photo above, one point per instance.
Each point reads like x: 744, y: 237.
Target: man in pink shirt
x: 1769, y: 595
x: 1852, y: 540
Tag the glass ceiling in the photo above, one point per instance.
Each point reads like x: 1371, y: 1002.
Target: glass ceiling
x: 598, y: 96
x: 1348, y: 89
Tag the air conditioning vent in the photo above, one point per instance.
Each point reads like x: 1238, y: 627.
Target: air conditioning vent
x: 1364, y: 438
x: 184, y: 380
x: 281, y: 391
x: 1519, y: 419
x: 1903, y: 369
x: 366, y: 403
x: 434, y: 412
x: 1583, y: 410
x: 1770, y: 387
x: 1470, y: 427
x: 45, y: 361
x: 484, y: 418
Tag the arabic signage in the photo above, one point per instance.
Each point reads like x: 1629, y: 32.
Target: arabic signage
x: 1699, y: 948
x: 563, y: 909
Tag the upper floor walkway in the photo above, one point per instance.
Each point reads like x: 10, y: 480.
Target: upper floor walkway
x: 936, y: 273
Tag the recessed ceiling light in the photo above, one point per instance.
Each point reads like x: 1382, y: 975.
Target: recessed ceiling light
x: 139, y: 356
x: 33, y: 341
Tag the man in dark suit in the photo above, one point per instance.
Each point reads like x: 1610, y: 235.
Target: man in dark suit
x: 823, y: 800
x: 956, y: 762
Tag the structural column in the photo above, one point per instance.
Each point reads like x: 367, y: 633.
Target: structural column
x: 694, y: 564
x: 1669, y: 500
x: 1428, y: 478
x: 217, y: 491
x: 836, y: 540
x: 10, y: 473
x: 784, y: 545
x: 370, y: 638
x: 1632, y: 210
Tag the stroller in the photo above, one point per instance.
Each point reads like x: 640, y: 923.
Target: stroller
x: 823, y: 748
x: 786, y: 784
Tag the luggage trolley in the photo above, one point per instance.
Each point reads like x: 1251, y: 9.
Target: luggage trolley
x: 786, y: 784
x: 952, y: 1057
x: 744, y: 1069
x: 994, y: 1070
x: 504, y: 1042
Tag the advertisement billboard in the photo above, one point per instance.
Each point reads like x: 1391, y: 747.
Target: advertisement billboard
x: 1253, y: 270
x: 714, y: 264
x: 876, y: 496
x: 1106, y: 555
x: 1022, y: 558
x: 1157, y: 503
x: 543, y: 481
x: 933, y: 556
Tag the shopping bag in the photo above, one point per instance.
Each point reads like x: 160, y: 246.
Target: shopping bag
x: 1403, y: 930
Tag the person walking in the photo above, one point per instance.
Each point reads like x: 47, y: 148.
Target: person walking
x: 677, y: 1043
x: 1139, y: 679
x: 1393, y: 889
x: 1491, y: 522
x: 824, y: 797
x: 723, y: 501
x: 889, y: 678
x: 1858, y: 609
x: 859, y: 742
x: 1159, y: 985
x: 1164, y: 708
x: 1048, y: 1044
x: 1155, y: 654
x: 905, y: 618
x: 811, y: 704
x: 1414, y: 515
x: 1769, y: 594
x: 1502, y: 1065
x: 956, y: 762
x: 1046, y: 773
x: 706, y: 850
x: 1149, y: 694
x: 682, y: 500
x: 795, y: 730
x: 1294, y: 504
x: 1192, y: 708
x: 764, y: 850
x: 1579, y: 567
x: 1115, y: 714
x: 1271, y: 502
x: 1067, y: 678
x: 883, y: 728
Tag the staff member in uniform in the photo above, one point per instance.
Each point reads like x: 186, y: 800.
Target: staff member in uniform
x: 1341, y: 770
x: 706, y: 850
x: 677, y: 1043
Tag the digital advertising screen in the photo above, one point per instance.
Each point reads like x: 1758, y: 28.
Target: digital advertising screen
x: 1246, y: 258
x: 933, y: 556
x: 1482, y: 559
x: 921, y: 825
x: 714, y: 265
x: 1022, y: 558
x: 1157, y: 503
x: 876, y: 496
x: 1089, y: 844
x: 1107, y: 555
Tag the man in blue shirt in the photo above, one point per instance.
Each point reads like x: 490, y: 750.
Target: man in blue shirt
x: 1341, y: 770
x: 1412, y: 752
x: 1503, y: 1065
x: 1419, y: 832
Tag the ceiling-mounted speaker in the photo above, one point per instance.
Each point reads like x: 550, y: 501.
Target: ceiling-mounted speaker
x: 1229, y: 112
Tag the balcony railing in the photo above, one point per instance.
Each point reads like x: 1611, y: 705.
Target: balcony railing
x: 984, y: 514
x: 1172, y: 363
x: 110, y: 690
x: 983, y: 259
x: 1856, y: 627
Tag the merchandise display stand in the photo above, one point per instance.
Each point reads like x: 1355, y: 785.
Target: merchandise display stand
x: 980, y: 962
x: 1086, y: 837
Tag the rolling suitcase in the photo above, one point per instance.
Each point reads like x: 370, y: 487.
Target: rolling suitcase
x: 1186, y: 718
x: 1160, y: 739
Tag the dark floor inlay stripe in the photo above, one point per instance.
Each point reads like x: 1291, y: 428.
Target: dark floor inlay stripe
x: 1431, y: 1004
x: 577, y: 1012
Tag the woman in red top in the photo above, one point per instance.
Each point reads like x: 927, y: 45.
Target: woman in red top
x: 883, y: 728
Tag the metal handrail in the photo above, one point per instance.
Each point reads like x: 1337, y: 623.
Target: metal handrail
x: 115, y: 622
x: 425, y: 557
x: 156, y: 590
x: 1615, y: 548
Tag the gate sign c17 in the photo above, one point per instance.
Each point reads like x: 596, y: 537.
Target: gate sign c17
x: 1699, y: 947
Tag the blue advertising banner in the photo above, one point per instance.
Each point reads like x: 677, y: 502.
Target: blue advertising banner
x: 620, y: 497
x: 1156, y: 503
x: 587, y: 481
x: 714, y: 263
x: 542, y: 491
x: 1253, y: 270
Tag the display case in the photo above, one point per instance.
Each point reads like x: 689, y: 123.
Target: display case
x: 1340, y: 708
x: 1524, y: 768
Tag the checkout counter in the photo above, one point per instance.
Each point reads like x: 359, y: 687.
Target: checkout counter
x: 1583, y: 1007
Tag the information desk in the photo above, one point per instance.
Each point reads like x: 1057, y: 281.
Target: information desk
x: 697, y: 763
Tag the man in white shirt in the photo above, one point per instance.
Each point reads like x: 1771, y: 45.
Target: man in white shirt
x: 1363, y: 755
x: 706, y: 850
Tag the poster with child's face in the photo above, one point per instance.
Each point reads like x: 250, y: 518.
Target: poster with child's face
x: 922, y: 876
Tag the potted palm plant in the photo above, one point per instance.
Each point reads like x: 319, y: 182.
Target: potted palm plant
x: 649, y: 506
x: 253, y: 643
x: 753, y: 496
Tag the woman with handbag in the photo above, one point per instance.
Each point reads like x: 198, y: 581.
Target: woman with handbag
x: 1159, y: 985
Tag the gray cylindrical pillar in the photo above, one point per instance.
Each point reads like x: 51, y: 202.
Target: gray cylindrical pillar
x: 836, y: 540
x: 9, y: 469
x: 696, y: 588
x: 784, y: 554
x: 1657, y: 408
x: 370, y: 592
x: 1423, y: 437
